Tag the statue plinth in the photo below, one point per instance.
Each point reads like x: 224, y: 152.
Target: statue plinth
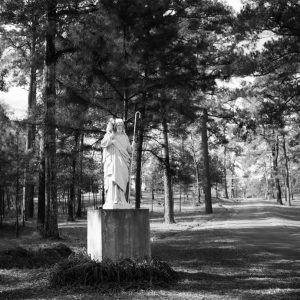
x: 118, y: 234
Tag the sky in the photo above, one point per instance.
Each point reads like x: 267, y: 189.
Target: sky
x: 16, y: 98
x: 236, y: 4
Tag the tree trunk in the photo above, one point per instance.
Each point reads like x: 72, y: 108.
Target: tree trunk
x: 205, y: 154
x: 180, y: 196
x: 29, y: 198
x: 198, y: 184
x: 73, y: 185
x: 71, y: 199
x: 225, y: 173
x: 152, y: 197
x: 139, y: 153
x: 41, y: 190
x: 29, y: 185
x: 196, y: 165
x: 2, y: 209
x: 125, y: 81
x: 103, y: 195
x: 51, y: 225
x: 287, y: 173
x: 291, y: 188
x: 79, y: 198
x: 17, y: 201
x: 275, y: 152
x: 267, y: 193
x: 169, y: 204
x: 232, y: 190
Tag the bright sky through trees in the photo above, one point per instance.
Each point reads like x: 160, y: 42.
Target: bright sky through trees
x: 16, y: 97
x: 16, y: 101
x: 236, y: 4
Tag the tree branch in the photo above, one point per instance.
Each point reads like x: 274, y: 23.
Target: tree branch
x: 64, y: 51
x: 154, y: 154
x: 100, y: 73
x: 76, y: 12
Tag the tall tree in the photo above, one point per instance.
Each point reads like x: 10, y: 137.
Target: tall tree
x: 23, y: 18
x: 169, y: 201
x: 207, y: 182
x: 32, y: 95
x: 51, y: 224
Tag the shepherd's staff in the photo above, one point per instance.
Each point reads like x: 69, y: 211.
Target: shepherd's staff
x: 137, y: 114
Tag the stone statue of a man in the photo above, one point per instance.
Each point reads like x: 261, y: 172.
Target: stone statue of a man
x: 116, y: 159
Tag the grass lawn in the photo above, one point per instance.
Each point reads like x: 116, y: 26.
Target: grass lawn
x: 247, y: 249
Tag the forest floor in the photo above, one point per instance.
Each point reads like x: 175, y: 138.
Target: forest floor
x: 247, y: 249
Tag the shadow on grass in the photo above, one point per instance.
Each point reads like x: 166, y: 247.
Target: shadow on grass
x: 19, y: 257
x: 215, y: 261
x: 218, y: 247
x: 242, y: 287
x: 34, y: 293
x: 223, y: 270
x: 7, y: 279
x: 189, y: 257
x: 245, y: 285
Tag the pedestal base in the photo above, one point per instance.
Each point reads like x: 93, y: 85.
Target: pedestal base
x: 118, y: 234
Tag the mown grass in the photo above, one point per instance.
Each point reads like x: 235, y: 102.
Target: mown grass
x: 257, y: 260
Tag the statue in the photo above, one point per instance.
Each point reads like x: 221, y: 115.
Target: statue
x: 116, y: 159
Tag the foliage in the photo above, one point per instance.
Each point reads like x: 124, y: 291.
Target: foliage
x: 79, y: 269
x: 12, y: 151
x: 22, y: 258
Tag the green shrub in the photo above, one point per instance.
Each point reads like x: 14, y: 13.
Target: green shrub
x: 82, y: 270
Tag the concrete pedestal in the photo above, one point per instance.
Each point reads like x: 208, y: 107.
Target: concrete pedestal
x: 118, y: 234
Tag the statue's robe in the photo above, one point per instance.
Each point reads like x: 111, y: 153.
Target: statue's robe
x: 116, y: 160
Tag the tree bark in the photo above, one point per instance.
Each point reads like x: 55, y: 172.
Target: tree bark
x: 73, y: 185
x: 125, y: 80
x: 169, y: 203
x: 196, y: 165
x: 287, y: 172
x: 2, y: 209
x: 41, y: 189
x: 267, y: 192
x: 79, y: 198
x: 17, y: 200
x: 275, y: 152
x: 1, y: 202
x: 232, y: 190
x: 139, y: 153
x: 51, y: 225
x: 29, y: 185
x: 225, y: 173
x: 207, y: 185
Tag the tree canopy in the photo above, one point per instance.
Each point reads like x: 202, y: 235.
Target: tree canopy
x: 174, y: 62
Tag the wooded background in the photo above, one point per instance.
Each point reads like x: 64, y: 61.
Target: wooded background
x: 218, y: 93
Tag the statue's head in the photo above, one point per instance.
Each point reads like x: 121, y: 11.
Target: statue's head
x: 119, y: 126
